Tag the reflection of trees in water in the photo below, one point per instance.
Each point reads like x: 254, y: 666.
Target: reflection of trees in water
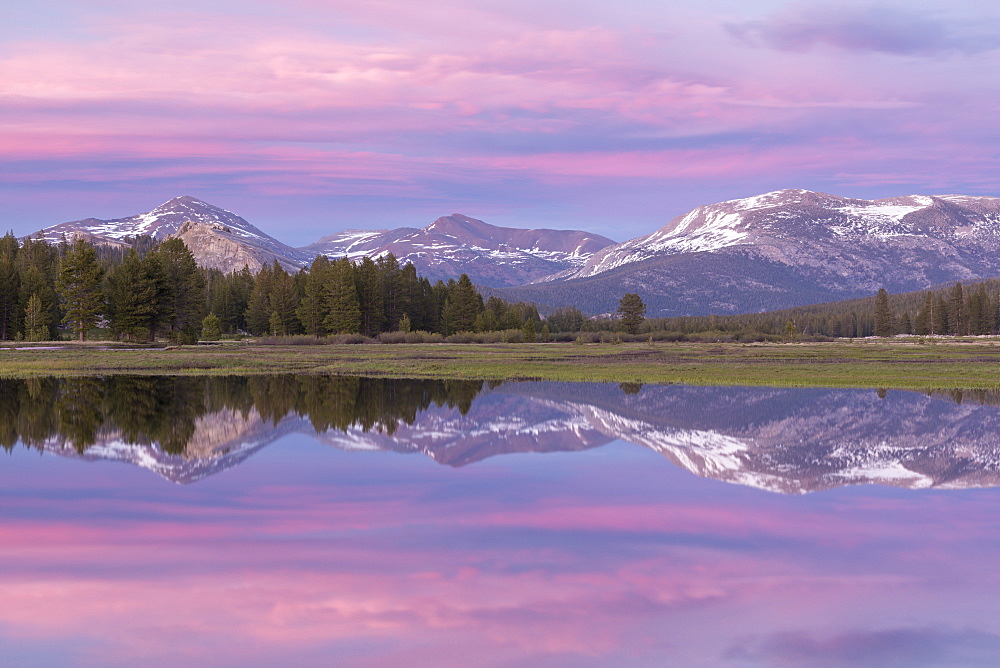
x: 164, y: 410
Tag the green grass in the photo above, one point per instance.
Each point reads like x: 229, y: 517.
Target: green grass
x: 898, y: 364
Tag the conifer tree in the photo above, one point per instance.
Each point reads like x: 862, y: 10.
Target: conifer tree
x: 941, y: 320
x: 284, y: 300
x: 631, y: 312
x: 10, y: 283
x: 37, y: 272
x: 79, y: 287
x: 462, y: 307
x: 36, y: 320
x: 528, y: 331
x: 344, y: 316
x: 314, y: 307
x: 884, y: 319
x: 958, y: 314
x: 183, y: 290
x: 258, y: 314
x: 370, y: 296
x: 131, y: 298
x: 905, y: 326
x: 211, y: 328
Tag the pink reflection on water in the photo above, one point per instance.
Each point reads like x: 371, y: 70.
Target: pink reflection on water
x: 401, y: 573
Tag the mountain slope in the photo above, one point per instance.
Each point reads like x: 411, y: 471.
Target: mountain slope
x: 786, y: 248
x: 456, y: 244
x: 219, y: 239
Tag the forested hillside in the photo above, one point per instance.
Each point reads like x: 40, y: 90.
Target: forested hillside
x: 142, y: 290
x: 971, y: 309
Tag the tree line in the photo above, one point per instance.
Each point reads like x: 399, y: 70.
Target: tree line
x: 956, y: 310
x: 144, y: 290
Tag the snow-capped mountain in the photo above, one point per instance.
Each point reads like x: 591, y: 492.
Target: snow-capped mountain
x: 219, y: 239
x: 445, y: 249
x: 456, y: 244
x: 779, y: 249
x: 788, y: 248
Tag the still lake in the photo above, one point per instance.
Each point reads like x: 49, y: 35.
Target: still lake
x: 287, y: 520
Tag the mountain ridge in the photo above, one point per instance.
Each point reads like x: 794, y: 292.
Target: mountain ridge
x: 444, y: 249
x: 765, y: 252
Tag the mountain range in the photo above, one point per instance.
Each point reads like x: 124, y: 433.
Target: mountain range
x: 780, y: 249
x: 790, y: 441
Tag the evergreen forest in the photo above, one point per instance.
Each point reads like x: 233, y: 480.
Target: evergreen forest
x: 145, y: 290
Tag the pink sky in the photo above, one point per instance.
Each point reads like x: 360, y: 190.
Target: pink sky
x: 310, y: 117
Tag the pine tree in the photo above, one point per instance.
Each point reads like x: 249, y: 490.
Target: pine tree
x: 37, y: 271
x: 958, y: 314
x: 10, y: 283
x: 182, y: 302
x: 79, y: 287
x: 258, y: 313
x: 463, y: 304
x: 370, y: 296
x: 36, y: 320
x: 631, y: 312
x: 942, y: 325
x: 315, y: 306
x: 284, y: 300
x: 131, y: 298
x: 528, y: 331
x: 211, y: 328
x: 905, y: 326
x: 344, y: 316
x: 393, y: 292
x: 884, y: 318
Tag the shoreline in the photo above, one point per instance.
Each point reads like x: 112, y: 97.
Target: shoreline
x: 870, y: 363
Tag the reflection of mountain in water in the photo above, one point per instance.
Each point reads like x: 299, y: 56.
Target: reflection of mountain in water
x: 784, y: 440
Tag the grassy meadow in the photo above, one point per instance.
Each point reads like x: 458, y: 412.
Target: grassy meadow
x: 893, y: 363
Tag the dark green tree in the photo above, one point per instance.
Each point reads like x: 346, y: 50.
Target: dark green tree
x: 36, y: 320
x: 284, y: 301
x: 344, y: 316
x: 10, y: 285
x: 371, y: 289
x: 631, y: 312
x: 315, y: 304
x: 79, y: 287
x: 38, y: 270
x: 182, y: 291
x: 132, y: 299
x: 885, y: 320
x: 258, y: 314
x: 462, y: 306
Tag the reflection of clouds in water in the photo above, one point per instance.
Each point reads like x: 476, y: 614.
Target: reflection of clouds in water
x: 543, y: 563
x: 891, y: 647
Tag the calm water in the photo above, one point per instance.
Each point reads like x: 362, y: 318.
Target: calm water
x: 320, y: 521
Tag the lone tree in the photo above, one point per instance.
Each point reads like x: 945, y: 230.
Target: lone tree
x: 631, y: 312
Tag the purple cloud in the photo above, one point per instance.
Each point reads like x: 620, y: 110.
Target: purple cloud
x: 878, y: 29
x: 890, y: 647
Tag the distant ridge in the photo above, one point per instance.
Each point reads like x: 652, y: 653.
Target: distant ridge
x: 786, y: 248
x: 776, y: 250
x: 457, y: 244
x: 444, y: 249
